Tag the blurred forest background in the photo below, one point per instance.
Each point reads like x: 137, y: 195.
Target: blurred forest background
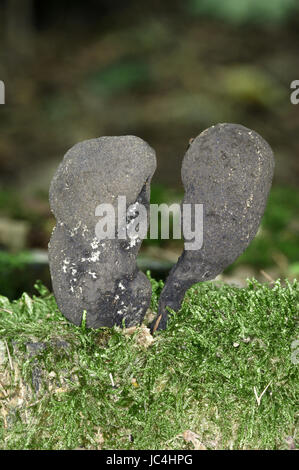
x: 164, y: 71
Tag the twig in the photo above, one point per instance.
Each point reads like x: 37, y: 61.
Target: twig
x: 259, y: 398
x: 267, y: 276
x: 157, y: 323
x: 9, y: 356
x: 5, y: 310
x: 112, y: 381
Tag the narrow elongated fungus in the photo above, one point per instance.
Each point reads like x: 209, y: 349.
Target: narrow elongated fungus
x: 228, y: 169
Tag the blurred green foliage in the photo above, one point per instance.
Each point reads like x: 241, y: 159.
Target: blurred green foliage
x: 278, y: 237
x: 13, y: 269
x: 117, y: 77
x: 164, y: 76
x: 10, y: 204
x: 251, y: 85
x: 245, y: 11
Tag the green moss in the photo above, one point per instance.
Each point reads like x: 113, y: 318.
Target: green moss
x: 13, y: 271
x: 198, y: 375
